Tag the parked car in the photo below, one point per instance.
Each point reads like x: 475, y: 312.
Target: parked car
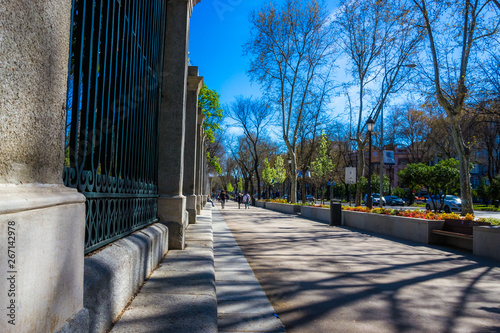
x: 451, y: 204
x: 394, y: 200
x: 309, y: 198
x: 376, y: 199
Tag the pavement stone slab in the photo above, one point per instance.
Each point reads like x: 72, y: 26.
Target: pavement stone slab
x: 249, y: 322
x: 242, y: 304
x: 169, y: 313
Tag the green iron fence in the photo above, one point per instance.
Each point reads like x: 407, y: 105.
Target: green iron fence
x: 114, y: 86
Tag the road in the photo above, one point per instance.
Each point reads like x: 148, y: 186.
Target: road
x: 329, y: 279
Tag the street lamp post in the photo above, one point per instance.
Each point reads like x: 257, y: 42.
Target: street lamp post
x: 381, y: 155
x: 370, y: 123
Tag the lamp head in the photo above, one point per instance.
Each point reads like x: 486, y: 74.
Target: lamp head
x: 370, y: 124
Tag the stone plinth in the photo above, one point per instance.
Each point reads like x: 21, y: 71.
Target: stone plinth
x: 486, y: 241
x: 42, y: 233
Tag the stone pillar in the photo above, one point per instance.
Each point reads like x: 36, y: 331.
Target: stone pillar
x: 171, y: 202
x: 204, y: 191
x: 42, y: 222
x: 190, y: 145
x: 200, y: 158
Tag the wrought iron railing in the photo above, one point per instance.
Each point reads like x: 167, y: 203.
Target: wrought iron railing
x: 114, y: 86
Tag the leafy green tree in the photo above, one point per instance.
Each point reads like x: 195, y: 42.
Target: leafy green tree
x: 413, y: 176
x: 482, y: 190
x: 279, y: 170
x: 208, y: 102
x: 494, y: 188
x: 229, y: 188
x: 268, y: 174
x: 439, y: 180
x: 322, y: 166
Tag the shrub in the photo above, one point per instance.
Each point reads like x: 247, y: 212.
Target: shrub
x: 492, y: 220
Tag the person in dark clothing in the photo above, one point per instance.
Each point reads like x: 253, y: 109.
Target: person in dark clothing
x: 222, y: 199
x: 240, y: 200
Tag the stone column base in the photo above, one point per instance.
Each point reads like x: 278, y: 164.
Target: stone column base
x: 198, y: 204
x: 172, y: 213
x: 42, y: 234
x: 191, y: 202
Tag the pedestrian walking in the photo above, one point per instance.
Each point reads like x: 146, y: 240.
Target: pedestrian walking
x: 239, y: 199
x: 222, y: 199
x: 246, y: 200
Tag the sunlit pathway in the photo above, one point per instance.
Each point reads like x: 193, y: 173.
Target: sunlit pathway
x: 242, y: 305
x: 328, y: 279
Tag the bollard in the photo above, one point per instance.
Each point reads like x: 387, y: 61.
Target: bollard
x: 335, y: 213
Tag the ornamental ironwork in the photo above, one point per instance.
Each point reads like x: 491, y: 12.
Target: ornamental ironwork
x: 113, y: 101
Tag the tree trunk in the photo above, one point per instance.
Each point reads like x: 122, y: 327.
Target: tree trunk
x: 303, y: 192
x: 464, y: 165
x: 293, y: 195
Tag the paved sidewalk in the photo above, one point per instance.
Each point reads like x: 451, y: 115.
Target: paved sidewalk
x: 179, y: 296
x: 331, y: 279
x: 241, y: 302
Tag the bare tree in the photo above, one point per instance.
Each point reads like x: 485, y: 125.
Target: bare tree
x: 413, y: 127
x: 252, y: 116
x: 379, y: 41
x: 290, y: 45
x: 455, y: 30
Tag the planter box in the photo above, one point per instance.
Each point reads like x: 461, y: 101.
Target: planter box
x: 412, y: 229
x: 260, y: 203
x: 284, y: 208
x: 486, y: 241
x: 316, y: 213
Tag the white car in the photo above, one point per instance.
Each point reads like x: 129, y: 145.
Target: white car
x: 451, y: 204
x: 376, y: 199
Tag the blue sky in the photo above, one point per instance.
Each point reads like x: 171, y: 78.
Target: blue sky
x: 219, y: 29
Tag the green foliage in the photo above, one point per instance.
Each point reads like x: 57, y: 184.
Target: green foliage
x: 230, y: 187
x: 279, y: 170
x: 240, y: 185
x: 398, y: 191
x: 323, y: 165
x: 267, y: 172
x: 272, y: 175
x: 440, y: 179
x: 494, y: 188
x: 482, y: 190
x: 414, y: 176
x: 492, y: 220
x: 214, y: 161
x: 363, y: 183
x: 444, y: 177
x: 208, y: 101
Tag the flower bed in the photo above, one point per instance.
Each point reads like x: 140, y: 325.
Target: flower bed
x: 419, y: 214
